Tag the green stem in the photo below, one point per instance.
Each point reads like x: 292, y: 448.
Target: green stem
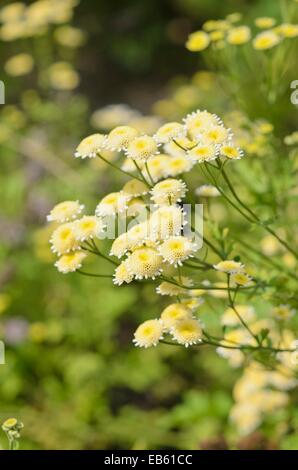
x: 94, y: 275
x: 127, y: 173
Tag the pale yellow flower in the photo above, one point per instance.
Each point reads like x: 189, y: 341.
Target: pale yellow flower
x: 198, y: 41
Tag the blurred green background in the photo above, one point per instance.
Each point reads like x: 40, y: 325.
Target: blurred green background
x: 72, y: 375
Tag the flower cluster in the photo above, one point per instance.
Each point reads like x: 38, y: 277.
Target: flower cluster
x: 22, y: 21
x: 219, y: 33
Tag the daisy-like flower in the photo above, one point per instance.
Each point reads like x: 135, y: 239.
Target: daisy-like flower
x: 230, y: 318
x: 168, y: 192
x: 90, y: 146
x: 12, y: 12
x: 240, y: 279
x: 265, y: 22
x: 197, y: 41
x: 283, y: 312
x: 135, y: 207
x: 142, y: 148
x: 122, y: 274
x: 198, y: 121
x: 187, y: 332
x: 63, y: 239
x: 112, y: 204
x: 203, y: 153
x: 138, y: 234
x: 170, y: 289
x: 239, y: 35
x: 193, y: 303
x: 120, y: 137
x: 19, y: 65
x: 217, y: 35
x: 173, y: 313
x: 167, y: 222
x: 234, y: 17
x: 229, y: 266
x: 207, y: 190
x: 70, y: 262
x: 88, y: 227
x: 120, y: 246
x: 287, y: 30
x: 175, y: 250
x: 266, y: 40
x: 211, y: 25
x: 65, y: 211
x: 135, y: 188
x: 216, y: 135
x: 148, y: 334
x: 145, y: 263
x: 178, y: 165
x: 157, y: 166
x: 231, y: 152
x: 168, y: 132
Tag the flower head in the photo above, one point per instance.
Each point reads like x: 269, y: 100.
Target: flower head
x: 142, y: 148
x: 158, y: 165
x: 65, y: 211
x: 266, y: 40
x: 207, y: 190
x: 203, y: 153
x: 229, y: 266
x: 265, y: 22
x: 90, y: 146
x: 138, y: 234
x: 168, y: 192
x: 231, y: 152
x: 192, y: 303
x: 173, y: 313
x: 88, y: 227
x: 168, y: 132
x: 187, y: 331
x: 178, y: 165
x: 112, y: 204
x: 283, y: 312
x: 120, y: 246
x: 197, y: 41
x: 238, y: 35
x: 18, y: 65
x: 148, y: 334
x: 62, y: 76
x: 240, y: 279
x: 168, y: 288
x: 177, y: 249
x: 135, y: 188
x: 197, y: 122
x: 287, y: 30
x: 216, y: 134
x: 70, y: 262
x: 145, y: 263
x: 63, y: 239
x: 166, y: 222
x: 122, y: 274
x: 120, y: 137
